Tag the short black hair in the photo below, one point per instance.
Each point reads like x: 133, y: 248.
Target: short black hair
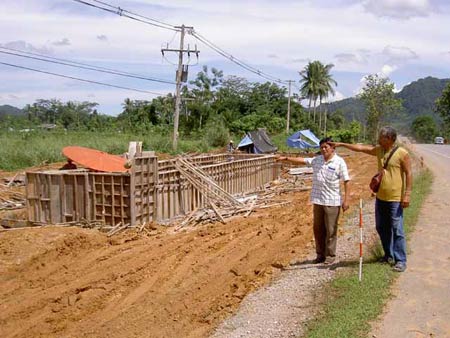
x: 325, y: 140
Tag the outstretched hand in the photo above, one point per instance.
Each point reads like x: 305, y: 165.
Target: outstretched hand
x: 280, y: 158
x: 334, y: 144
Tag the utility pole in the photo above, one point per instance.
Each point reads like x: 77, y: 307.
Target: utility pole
x: 181, y: 76
x: 289, y: 107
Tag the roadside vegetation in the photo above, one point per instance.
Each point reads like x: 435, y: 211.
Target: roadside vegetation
x: 216, y: 108
x: 29, y: 149
x: 350, y: 305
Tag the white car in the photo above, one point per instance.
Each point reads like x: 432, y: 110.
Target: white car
x: 438, y: 140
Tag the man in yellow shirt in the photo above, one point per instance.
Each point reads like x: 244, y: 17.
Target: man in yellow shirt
x: 393, y: 195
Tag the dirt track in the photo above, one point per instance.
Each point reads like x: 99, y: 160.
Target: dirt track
x: 71, y: 282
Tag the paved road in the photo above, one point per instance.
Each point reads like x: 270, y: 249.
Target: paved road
x: 421, y: 307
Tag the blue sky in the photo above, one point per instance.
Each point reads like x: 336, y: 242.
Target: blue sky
x: 402, y: 39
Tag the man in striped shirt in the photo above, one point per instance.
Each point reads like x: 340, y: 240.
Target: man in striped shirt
x: 328, y: 170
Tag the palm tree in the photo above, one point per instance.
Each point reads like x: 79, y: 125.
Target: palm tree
x: 325, y: 89
x: 316, y: 83
x: 310, y: 84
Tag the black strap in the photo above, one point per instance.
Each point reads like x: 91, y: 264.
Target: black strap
x: 390, y: 155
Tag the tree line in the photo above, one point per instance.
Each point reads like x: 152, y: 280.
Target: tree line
x: 219, y: 106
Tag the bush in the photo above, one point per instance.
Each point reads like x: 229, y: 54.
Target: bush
x: 215, y: 133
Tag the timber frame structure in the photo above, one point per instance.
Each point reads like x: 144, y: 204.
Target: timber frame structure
x: 152, y: 190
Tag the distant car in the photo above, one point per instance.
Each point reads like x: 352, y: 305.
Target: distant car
x: 438, y: 140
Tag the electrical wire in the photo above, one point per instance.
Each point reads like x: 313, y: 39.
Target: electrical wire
x: 130, y: 15
x: 168, y: 61
x: 147, y: 20
x: 173, y: 38
x: 234, y: 59
x: 79, y: 79
x: 81, y: 65
x: 135, y: 14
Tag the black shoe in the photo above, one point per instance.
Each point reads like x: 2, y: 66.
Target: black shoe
x: 386, y: 260
x: 319, y: 259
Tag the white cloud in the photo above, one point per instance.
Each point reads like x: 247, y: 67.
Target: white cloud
x: 300, y: 60
x: 336, y: 97
x: 278, y: 40
x: 62, y: 42
x: 102, y: 37
x: 28, y: 47
x: 386, y: 70
x: 351, y: 58
x: 398, y: 9
x: 399, y: 54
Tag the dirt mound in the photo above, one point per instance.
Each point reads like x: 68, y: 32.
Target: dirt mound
x: 75, y: 282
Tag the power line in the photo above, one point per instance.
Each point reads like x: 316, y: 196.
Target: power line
x: 81, y: 65
x: 79, y: 79
x: 234, y: 59
x: 122, y: 12
x: 144, y: 19
x: 135, y: 14
x: 154, y: 22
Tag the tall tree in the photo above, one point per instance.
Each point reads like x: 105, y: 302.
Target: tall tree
x: 443, y: 108
x: 204, y: 93
x: 316, y: 83
x: 310, y: 84
x: 325, y: 89
x: 378, y: 96
x: 424, y: 128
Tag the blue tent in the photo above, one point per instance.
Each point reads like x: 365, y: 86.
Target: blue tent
x: 303, y: 139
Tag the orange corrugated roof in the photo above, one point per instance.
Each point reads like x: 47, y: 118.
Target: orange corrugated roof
x: 95, y: 159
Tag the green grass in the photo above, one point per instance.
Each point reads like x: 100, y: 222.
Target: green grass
x: 350, y: 305
x: 22, y: 150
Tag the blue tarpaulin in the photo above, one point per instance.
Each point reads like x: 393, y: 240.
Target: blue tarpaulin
x: 303, y: 139
x: 245, y: 141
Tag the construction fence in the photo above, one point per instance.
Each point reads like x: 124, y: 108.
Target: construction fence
x: 152, y: 190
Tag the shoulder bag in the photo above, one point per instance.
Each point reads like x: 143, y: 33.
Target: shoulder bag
x: 375, y: 182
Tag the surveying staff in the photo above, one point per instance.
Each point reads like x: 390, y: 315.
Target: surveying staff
x: 393, y: 195
x: 328, y: 170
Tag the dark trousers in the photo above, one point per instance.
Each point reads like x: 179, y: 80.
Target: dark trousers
x: 325, y: 229
x: 389, y: 224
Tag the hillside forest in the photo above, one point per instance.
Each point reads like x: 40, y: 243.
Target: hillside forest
x: 216, y: 108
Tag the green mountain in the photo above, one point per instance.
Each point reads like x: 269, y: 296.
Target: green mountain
x: 10, y: 110
x: 418, y: 99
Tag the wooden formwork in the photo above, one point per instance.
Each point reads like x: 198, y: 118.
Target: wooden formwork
x: 58, y: 196
x: 235, y: 174
x: 61, y: 196
x: 110, y: 198
x: 143, y: 179
x: 151, y: 191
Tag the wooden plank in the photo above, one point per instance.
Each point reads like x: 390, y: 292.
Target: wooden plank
x: 214, y: 207
x: 88, y: 199
x: 55, y: 202
x: 113, y: 200
x: 103, y: 199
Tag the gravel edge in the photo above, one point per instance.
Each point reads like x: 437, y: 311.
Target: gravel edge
x: 284, y: 307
